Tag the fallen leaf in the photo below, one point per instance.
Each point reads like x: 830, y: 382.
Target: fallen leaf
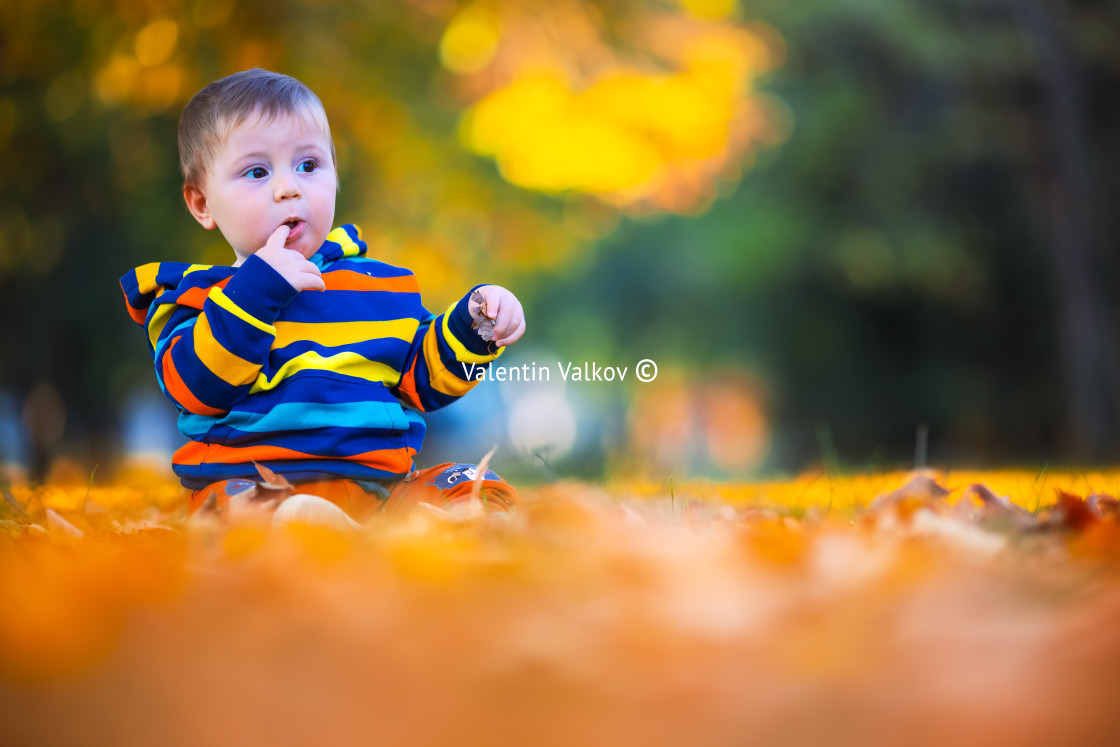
x: 957, y: 533
x: 999, y: 508
x: 14, y: 505
x: 270, y: 480
x: 20, y: 528
x: 921, y: 492
x: 1103, y: 504
x: 1073, y: 512
x: 921, y: 488
x: 61, y: 525
x: 483, y: 465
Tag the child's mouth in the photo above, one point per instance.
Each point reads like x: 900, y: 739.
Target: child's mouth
x: 295, y: 227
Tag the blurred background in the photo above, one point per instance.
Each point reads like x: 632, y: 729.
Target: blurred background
x: 853, y: 233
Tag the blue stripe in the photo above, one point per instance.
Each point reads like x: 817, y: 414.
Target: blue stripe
x: 353, y: 306
x: 372, y: 267
x: 388, y: 350
x: 404, y: 429
x: 325, y: 443
x: 170, y: 331
x: 298, y: 416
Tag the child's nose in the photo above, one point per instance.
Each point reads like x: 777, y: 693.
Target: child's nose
x: 285, y: 187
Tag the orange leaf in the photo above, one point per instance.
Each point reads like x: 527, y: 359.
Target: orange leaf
x: 270, y: 479
x: 1075, y: 512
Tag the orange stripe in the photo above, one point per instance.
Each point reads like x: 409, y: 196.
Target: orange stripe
x: 390, y: 460
x: 406, y: 389
x: 350, y: 280
x: 195, y: 297
x: 178, y: 389
x: 195, y: 452
x: 138, y: 315
x: 441, y: 379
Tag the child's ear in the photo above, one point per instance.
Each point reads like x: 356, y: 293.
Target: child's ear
x: 199, y: 207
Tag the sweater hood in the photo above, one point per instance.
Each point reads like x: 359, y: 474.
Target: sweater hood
x: 158, y: 283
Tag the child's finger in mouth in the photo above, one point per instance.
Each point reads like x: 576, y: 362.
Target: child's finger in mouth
x: 295, y: 228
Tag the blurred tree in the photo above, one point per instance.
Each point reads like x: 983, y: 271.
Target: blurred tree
x: 927, y: 247
x: 1068, y: 192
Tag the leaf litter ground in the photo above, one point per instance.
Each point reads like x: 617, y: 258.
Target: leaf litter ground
x: 933, y: 608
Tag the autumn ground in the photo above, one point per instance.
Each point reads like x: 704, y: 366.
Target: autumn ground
x: 945, y: 608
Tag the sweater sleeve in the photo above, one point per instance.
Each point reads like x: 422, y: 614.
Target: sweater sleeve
x: 446, y: 359
x: 207, y: 360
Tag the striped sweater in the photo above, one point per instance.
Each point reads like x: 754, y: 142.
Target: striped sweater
x: 310, y: 384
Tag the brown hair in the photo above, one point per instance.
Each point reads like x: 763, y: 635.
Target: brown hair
x: 207, y: 119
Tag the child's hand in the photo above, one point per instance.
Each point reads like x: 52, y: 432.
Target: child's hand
x: 504, y: 308
x: 301, y: 273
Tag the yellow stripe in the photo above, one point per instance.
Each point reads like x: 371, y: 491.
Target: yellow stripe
x: 340, y: 237
x: 350, y: 364
x: 146, y: 277
x: 219, y: 297
x: 441, y: 379
x: 460, y: 350
x: 230, y: 368
x: 163, y: 313
x: 340, y: 334
x: 159, y: 321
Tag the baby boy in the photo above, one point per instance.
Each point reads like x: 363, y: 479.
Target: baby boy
x: 305, y: 355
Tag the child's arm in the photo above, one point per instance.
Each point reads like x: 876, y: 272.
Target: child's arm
x: 208, y: 360
x: 447, y: 357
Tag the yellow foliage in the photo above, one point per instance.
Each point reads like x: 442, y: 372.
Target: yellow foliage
x: 710, y: 9
x: 632, y: 134
x: 155, y: 43
x: 470, y: 40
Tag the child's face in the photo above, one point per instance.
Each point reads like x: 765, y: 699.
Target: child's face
x: 267, y: 174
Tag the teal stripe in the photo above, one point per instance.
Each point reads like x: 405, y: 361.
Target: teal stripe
x: 166, y: 335
x: 298, y: 416
x: 414, y: 418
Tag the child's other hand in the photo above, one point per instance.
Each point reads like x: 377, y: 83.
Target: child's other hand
x: 504, y: 308
x: 300, y: 272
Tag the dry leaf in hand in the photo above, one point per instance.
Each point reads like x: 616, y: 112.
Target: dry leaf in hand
x: 482, y: 323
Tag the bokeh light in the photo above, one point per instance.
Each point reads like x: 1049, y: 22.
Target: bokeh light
x: 716, y: 423
x: 542, y: 423
x: 652, y: 133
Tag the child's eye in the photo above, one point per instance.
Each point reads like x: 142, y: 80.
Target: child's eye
x: 257, y: 172
x: 307, y: 166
